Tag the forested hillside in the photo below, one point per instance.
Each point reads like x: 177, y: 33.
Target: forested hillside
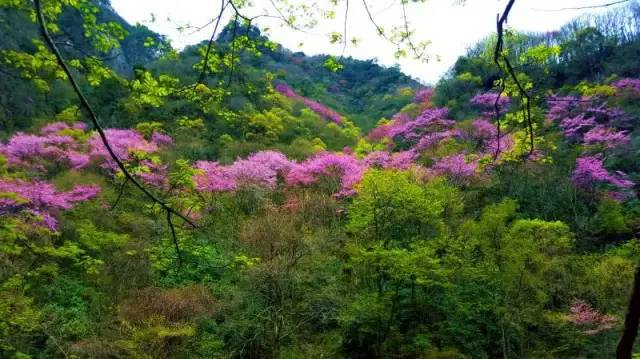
x: 239, y: 200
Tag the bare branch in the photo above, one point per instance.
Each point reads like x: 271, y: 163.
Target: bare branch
x: 120, y: 193
x: 94, y: 118
x: 585, y: 7
x: 205, y: 66
x: 344, y: 34
x: 499, y: 55
x: 631, y: 321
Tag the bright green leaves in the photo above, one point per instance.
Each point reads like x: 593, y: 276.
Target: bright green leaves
x: 148, y: 128
x: 190, y: 123
x: 182, y: 174
x: 40, y: 66
x: 266, y: 126
x: 332, y: 64
x: 94, y: 70
x: 540, y: 54
x: 394, y: 208
x: 149, y: 91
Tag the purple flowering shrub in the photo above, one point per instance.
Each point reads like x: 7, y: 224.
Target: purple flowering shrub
x: 590, y: 171
x: 262, y: 169
x: 591, y: 322
x: 423, y: 95
x: 628, y: 86
x: 320, y: 109
x: 456, y: 167
x: 487, y: 101
x: 591, y: 122
x: 39, y: 202
x: 578, y: 116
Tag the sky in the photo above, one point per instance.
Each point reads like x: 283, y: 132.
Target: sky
x: 450, y: 26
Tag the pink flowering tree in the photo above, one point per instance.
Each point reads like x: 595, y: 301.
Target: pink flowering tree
x: 487, y: 101
x: 589, y: 320
x: 261, y: 170
x: 590, y: 172
x: 320, y: 109
x: 606, y: 137
x: 38, y: 202
x: 132, y: 148
x: 457, y: 168
x: 57, y: 144
x: 628, y: 86
x: 423, y: 95
x: 398, y: 160
x: 342, y: 171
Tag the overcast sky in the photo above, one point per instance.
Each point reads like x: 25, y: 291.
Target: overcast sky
x: 451, y: 27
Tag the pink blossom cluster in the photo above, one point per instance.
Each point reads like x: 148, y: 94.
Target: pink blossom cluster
x: 583, y: 315
x: 575, y: 127
x: 54, y: 145
x: 131, y: 146
x: 398, y: 160
x: 40, y: 199
x: 384, y: 131
x: 488, y: 100
x: 605, y: 136
x: 456, y: 166
x: 423, y: 95
x: 261, y: 169
x: 628, y: 84
x: 345, y: 169
x: 315, y: 106
x: 124, y: 144
x: 483, y: 130
x: 497, y: 146
x: 583, y: 120
x: 562, y: 106
x: 430, y: 140
x: 590, y: 171
x: 588, y: 121
x: 61, y: 144
x: 265, y: 169
x: 430, y: 120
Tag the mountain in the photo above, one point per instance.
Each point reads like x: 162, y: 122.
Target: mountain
x: 261, y: 205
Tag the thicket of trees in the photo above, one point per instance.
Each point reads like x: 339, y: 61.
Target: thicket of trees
x: 302, y: 211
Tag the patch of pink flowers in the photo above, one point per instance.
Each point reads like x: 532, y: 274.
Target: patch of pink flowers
x: 320, y: 109
x: 347, y: 170
x: 628, y: 84
x: 423, y: 95
x: 261, y: 169
x: 383, y: 159
x: 592, y: 321
x: 607, y: 137
x: 488, y: 101
x: 41, y: 199
x: 52, y: 146
x: 590, y: 171
x: 456, y: 166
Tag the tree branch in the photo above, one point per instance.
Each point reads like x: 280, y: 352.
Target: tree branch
x: 205, y: 67
x: 631, y: 320
x: 584, y: 7
x: 94, y: 119
x: 497, y: 56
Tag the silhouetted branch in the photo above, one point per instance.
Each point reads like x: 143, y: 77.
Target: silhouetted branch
x: 205, y: 66
x: 344, y: 31
x: 94, y: 119
x: 120, y: 192
x: 585, y: 7
x: 631, y: 320
x: 499, y: 55
x: 379, y: 29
